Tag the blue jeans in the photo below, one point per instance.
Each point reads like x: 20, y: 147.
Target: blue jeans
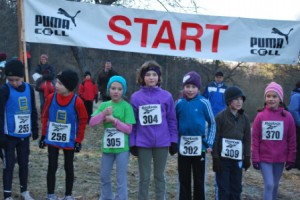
x: 159, y: 156
x: 106, y: 166
x: 271, y: 173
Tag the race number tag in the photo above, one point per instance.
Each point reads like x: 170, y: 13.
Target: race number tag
x: 190, y: 145
x: 150, y: 114
x: 23, y: 124
x: 272, y: 130
x: 113, y: 138
x: 59, y: 132
x: 232, y: 149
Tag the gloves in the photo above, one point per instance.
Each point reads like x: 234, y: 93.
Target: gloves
x: 35, y: 136
x: 2, y: 140
x: 134, y: 151
x: 217, y: 165
x: 173, y: 149
x: 42, y: 143
x: 256, y: 165
x: 77, y: 147
x: 289, y: 165
x: 246, y: 162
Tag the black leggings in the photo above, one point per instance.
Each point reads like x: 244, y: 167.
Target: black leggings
x: 53, y: 153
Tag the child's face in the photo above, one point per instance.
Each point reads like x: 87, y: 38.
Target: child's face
x: 151, y: 78
x: 219, y: 79
x: 60, y: 88
x: 236, y: 104
x: 272, y: 100
x: 116, y: 91
x: 190, y: 91
x: 87, y: 77
x: 15, y: 81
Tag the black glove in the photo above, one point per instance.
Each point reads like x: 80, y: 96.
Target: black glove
x: 256, y: 165
x: 173, y: 149
x: 2, y: 140
x: 246, y: 162
x: 134, y: 151
x: 42, y: 143
x: 289, y: 166
x: 217, y: 165
x: 35, y: 136
x: 77, y: 147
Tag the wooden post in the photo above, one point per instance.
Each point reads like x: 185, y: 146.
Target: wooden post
x: 21, y: 35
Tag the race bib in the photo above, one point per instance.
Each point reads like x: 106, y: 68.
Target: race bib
x: 272, y: 130
x: 23, y: 124
x: 113, y: 138
x: 190, y: 145
x: 58, y: 132
x: 232, y: 149
x: 150, y: 114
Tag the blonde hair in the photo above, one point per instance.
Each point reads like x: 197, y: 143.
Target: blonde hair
x: 146, y: 67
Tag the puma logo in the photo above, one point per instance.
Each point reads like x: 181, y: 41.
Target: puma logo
x: 276, y: 31
x: 65, y: 13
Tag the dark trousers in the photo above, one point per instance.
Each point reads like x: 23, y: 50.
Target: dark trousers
x: 188, y: 165
x: 298, y: 148
x: 53, y: 153
x: 229, y: 180
x: 89, y: 107
x: 21, y: 146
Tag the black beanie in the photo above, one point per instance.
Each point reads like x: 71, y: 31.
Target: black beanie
x: 14, y: 68
x: 69, y: 79
x: 87, y: 73
x: 232, y: 93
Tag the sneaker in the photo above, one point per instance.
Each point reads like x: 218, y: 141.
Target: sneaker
x: 52, y: 197
x: 9, y: 198
x: 68, y: 198
x: 26, y: 196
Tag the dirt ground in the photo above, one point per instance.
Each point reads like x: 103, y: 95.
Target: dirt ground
x: 87, y: 178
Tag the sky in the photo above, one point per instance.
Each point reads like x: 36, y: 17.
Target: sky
x: 261, y: 9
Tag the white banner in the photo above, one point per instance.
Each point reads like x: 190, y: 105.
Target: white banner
x: 165, y: 33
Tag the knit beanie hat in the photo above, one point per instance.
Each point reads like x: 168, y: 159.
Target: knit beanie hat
x: 87, y: 73
x: 2, y: 57
x: 118, y: 79
x: 273, y: 86
x: 69, y: 79
x: 232, y: 93
x: 219, y: 73
x: 44, y: 56
x: 192, y: 78
x: 14, y: 68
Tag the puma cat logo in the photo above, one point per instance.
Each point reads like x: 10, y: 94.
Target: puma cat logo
x: 276, y: 31
x: 65, y: 13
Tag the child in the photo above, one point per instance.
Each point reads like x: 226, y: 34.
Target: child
x: 19, y: 120
x: 117, y: 117
x: 64, y: 119
x: 88, y: 91
x: 155, y: 131
x: 193, y: 111
x: 231, y: 150
x: 273, y: 140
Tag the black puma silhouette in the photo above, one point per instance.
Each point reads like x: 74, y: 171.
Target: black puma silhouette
x: 65, y: 13
x: 276, y: 31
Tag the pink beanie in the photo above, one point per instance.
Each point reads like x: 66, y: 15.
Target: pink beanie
x: 44, y: 56
x: 273, y: 86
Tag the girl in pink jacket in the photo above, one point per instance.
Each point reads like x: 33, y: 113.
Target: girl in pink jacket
x: 273, y: 140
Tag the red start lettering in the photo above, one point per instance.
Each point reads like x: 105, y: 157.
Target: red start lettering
x: 165, y: 34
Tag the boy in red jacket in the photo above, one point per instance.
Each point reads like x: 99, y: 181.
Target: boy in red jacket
x: 88, y: 91
x: 64, y: 119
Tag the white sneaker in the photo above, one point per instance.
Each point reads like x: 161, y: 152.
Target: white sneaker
x: 52, y: 197
x: 68, y: 198
x: 9, y: 198
x: 26, y: 196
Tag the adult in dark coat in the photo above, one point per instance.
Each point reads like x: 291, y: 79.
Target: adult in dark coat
x: 103, y: 79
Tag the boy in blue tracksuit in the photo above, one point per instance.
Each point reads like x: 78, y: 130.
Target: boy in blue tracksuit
x: 18, y: 121
x: 193, y: 111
